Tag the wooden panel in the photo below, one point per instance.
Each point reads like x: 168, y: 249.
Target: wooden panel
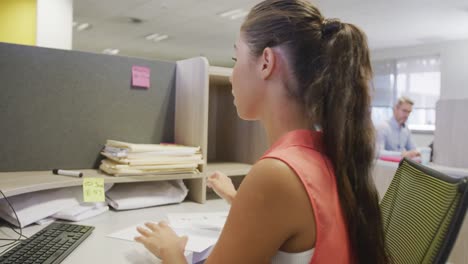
x: 213, y: 116
x: 191, y: 110
x: 229, y: 137
x: 197, y: 189
x: 219, y: 76
x: 228, y: 168
x: 191, y: 115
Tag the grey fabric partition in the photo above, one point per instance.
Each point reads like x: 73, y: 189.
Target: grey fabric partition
x: 57, y: 107
x: 451, y: 134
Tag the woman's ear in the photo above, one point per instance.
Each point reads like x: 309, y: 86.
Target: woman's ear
x: 267, y: 63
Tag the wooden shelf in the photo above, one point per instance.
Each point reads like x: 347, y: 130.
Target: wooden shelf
x: 211, y: 195
x: 219, y: 76
x: 228, y: 168
x: 14, y: 183
x: 221, y: 72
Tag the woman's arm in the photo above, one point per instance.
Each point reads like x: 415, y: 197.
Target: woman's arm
x: 270, y: 211
x: 270, y: 208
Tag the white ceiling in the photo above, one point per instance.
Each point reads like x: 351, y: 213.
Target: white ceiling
x: 195, y: 28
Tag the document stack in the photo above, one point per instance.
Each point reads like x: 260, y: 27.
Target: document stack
x: 126, y: 159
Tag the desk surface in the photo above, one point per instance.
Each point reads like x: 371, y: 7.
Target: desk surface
x: 98, y: 248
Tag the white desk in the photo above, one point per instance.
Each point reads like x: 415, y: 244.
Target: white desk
x: 383, y: 174
x: 98, y: 248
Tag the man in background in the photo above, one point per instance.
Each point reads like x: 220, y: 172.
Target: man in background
x: 393, y: 135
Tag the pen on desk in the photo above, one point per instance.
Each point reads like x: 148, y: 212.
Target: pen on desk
x: 67, y: 173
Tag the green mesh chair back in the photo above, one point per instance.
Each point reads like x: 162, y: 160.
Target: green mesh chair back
x: 422, y: 212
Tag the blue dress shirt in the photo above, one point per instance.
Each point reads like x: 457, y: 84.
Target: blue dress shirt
x: 393, y: 137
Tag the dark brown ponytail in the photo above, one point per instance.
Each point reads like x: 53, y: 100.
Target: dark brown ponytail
x: 344, y: 114
x: 331, y: 69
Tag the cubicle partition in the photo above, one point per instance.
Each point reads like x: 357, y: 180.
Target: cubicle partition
x: 58, y: 108
x: 450, y: 137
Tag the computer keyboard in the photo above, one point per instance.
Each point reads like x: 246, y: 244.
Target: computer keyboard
x: 49, y: 246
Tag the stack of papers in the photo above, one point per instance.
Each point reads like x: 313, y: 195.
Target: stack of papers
x: 123, y: 158
x: 145, y: 194
x: 82, y: 211
x: 61, y: 203
x: 35, y: 206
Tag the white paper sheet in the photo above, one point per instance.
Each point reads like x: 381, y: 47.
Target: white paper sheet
x: 137, y: 254
x: 198, y: 239
x: 214, y: 220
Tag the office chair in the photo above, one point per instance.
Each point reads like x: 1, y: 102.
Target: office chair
x: 422, y: 213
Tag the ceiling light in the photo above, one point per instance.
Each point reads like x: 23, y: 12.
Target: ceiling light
x: 230, y: 12
x: 156, y: 37
x: 159, y: 38
x: 111, y: 51
x: 151, y: 36
x: 83, y: 26
x: 234, y: 14
x: 239, y: 15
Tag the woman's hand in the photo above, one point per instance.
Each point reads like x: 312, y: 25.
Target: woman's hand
x: 222, y: 185
x: 163, y: 242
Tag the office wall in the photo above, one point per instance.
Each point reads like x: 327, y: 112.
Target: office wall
x: 18, y: 21
x: 54, y: 23
x: 455, y: 71
x: 454, y: 64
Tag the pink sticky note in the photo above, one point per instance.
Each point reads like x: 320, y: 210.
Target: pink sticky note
x: 141, y: 76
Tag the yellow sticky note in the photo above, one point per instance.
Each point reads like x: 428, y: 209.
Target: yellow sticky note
x: 93, y: 190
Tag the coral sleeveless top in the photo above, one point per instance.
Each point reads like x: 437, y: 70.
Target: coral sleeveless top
x: 302, y: 151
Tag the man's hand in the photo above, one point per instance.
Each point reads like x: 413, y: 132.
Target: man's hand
x: 411, y: 154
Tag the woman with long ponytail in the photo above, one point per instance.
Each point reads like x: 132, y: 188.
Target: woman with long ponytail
x: 310, y: 198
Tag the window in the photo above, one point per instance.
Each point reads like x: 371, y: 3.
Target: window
x: 417, y: 78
